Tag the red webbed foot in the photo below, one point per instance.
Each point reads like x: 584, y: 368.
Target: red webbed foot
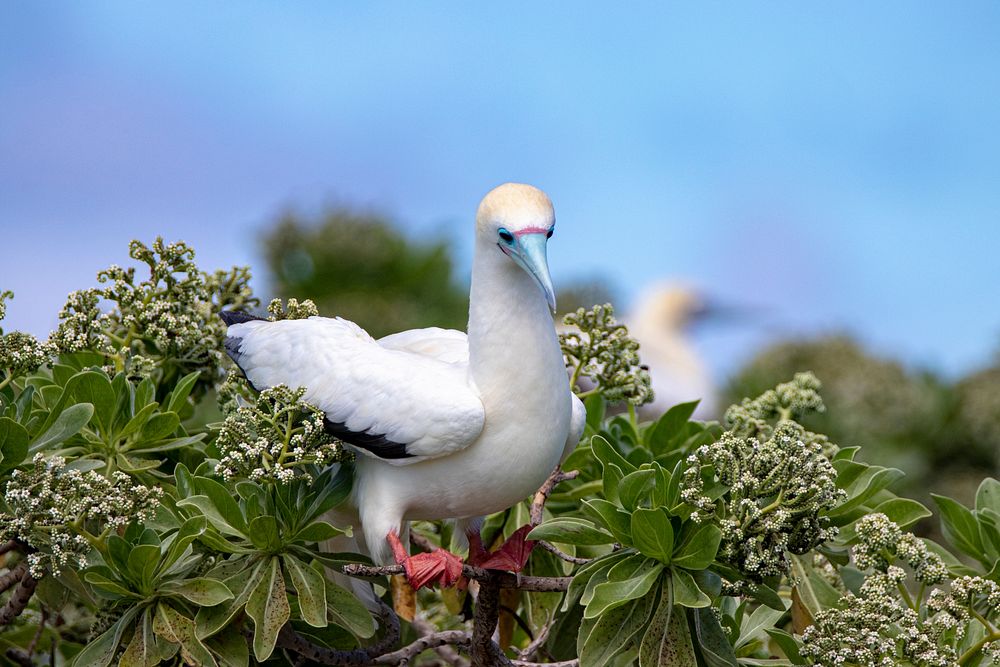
x: 510, y: 556
x: 424, y: 569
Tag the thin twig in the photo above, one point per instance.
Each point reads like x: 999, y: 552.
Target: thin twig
x: 439, y: 641
x: 559, y: 553
x: 288, y: 638
x: 483, y: 650
x: 538, y: 502
x: 531, y: 650
x: 505, y: 579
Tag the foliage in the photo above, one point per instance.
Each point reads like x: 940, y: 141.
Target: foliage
x: 140, y: 532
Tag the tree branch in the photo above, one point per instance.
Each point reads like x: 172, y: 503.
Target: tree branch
x: 18, y: 599
x: 288, y: 638
x: 483, y: 650
x: 445, y: 651
x: 559, y: 553
x: 538, y: 502
x: 505, y: 579
x: 10, y: 578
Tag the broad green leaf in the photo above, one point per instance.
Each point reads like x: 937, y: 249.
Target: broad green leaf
x: 652, y: 533
x: 264, y: 533
x: 317, y: 531
x: 230, y: 648
x: 137, y: 421
x: 612, y: 594
x: 142, y: 649
x: 13, y: 443
x: 583, y: 576
x: 223, y: 500
x: 212, y: 619
x: 571, y: 530
x: 309, y: 589
x: 686, y: 590
x: 627, y: 565
x: 713, y: 643
x: 95, y: 388
x: 179, y: 629
x: 668, y: 639
x: 145, y: 392
x: 636, y: 487
x: 159, y: 426
x: 107, y: 587
x: 668, y: 428
x: 787, y: 644
x: 988, y: 495
x: 618, y: 521
x: 903, y: 511
x: 960, y: 527
x: 603, y: 638
x: 178, y: 397
x: 699, y: 547
x: 613, y: 476
x: 99, y: 652
x: 608, y: 455
x: 347, y: 611
x: 67, y: 424
x: 757, y: 621
x: 142, y: 562
x: 205, y: 505
x: 814, y: 592
x: 185, y: 535
x: 201, y: 591
x: 595, y: 410
x: 268, y: 607
x: 861, y: 482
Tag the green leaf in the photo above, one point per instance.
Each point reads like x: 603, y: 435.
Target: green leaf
x: 185, y: 535
x: 667, y: 640
x: 584, y: 575
x: 13, y: 443
x: 178, y: 397
x: 636, y: 487
x: 613, y: 517
x: 713, y: 642
x: 268, y: 607
x: 309, y: 588
x: 602, y: 639
x: 571, y: 530
x: 159, y: 426
x: 137, y: 421
x: 988, y: 495
x: 787, y: 644
x: 95, y: 388
x: 67, y: 424
x: 212, y: 619
x: 596, y: 407
x: 903, y: 511
x: 861, y: 482
x: 99, y: 652
x: 201, y: 591
x: 668, y: 429
x: 627, y: 565
x: 347, y: 611
x: 104, y: 585
x: 608, y: 455
x: 612, y: 594
x: 142, y: 562
x: 960, y: 527
x: 264, y: 533
x: 686, y: 590
x: 214, y: 515
x: 698, y: 549
x: 179, y: 629
x: 317, y: 531
x: 230, y: 648
x: 815, y: 593
x: 652, y: 533
x: 142, y: 650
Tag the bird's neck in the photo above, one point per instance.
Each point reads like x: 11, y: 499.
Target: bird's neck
x: 513, y: 346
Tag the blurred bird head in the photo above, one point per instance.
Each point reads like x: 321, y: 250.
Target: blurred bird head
x: 676, y: 306
x: 519, y: 220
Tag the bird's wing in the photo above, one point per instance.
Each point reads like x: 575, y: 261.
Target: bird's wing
x: 577, y: 423
x: 447, y: 345
x: 395, y: 404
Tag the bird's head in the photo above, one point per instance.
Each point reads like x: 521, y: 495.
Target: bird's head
x: 519, y: 220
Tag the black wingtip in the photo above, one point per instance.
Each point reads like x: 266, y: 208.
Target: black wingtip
x: 231, y: 317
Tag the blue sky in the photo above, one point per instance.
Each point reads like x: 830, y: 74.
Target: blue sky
x: 837, y: 165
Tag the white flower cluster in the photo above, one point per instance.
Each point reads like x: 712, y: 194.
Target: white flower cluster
x: 275, y: 438
x: 603, y: 351
x: 171, y: 314
x: 875, y: 628
x: 50, y: 507
x: 964, y: 595
x: 20, y: 353
x: 778, y: 491
x: 880, y: 542
x: 295, y: 310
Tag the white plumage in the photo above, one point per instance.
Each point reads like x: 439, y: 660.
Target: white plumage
x: 450, y: 425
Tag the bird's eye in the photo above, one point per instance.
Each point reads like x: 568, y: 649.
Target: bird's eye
x: 506, y: 236
x: 548, y: 235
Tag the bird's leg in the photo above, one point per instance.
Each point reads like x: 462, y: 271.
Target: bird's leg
x: 424, y: 569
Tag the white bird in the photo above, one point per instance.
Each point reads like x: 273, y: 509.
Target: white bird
x: 660, y: 321
x: 446, y: 425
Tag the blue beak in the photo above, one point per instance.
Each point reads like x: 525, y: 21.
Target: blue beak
x: 529, y: 253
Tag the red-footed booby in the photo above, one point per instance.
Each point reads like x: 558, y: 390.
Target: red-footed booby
x: 446, y: 425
